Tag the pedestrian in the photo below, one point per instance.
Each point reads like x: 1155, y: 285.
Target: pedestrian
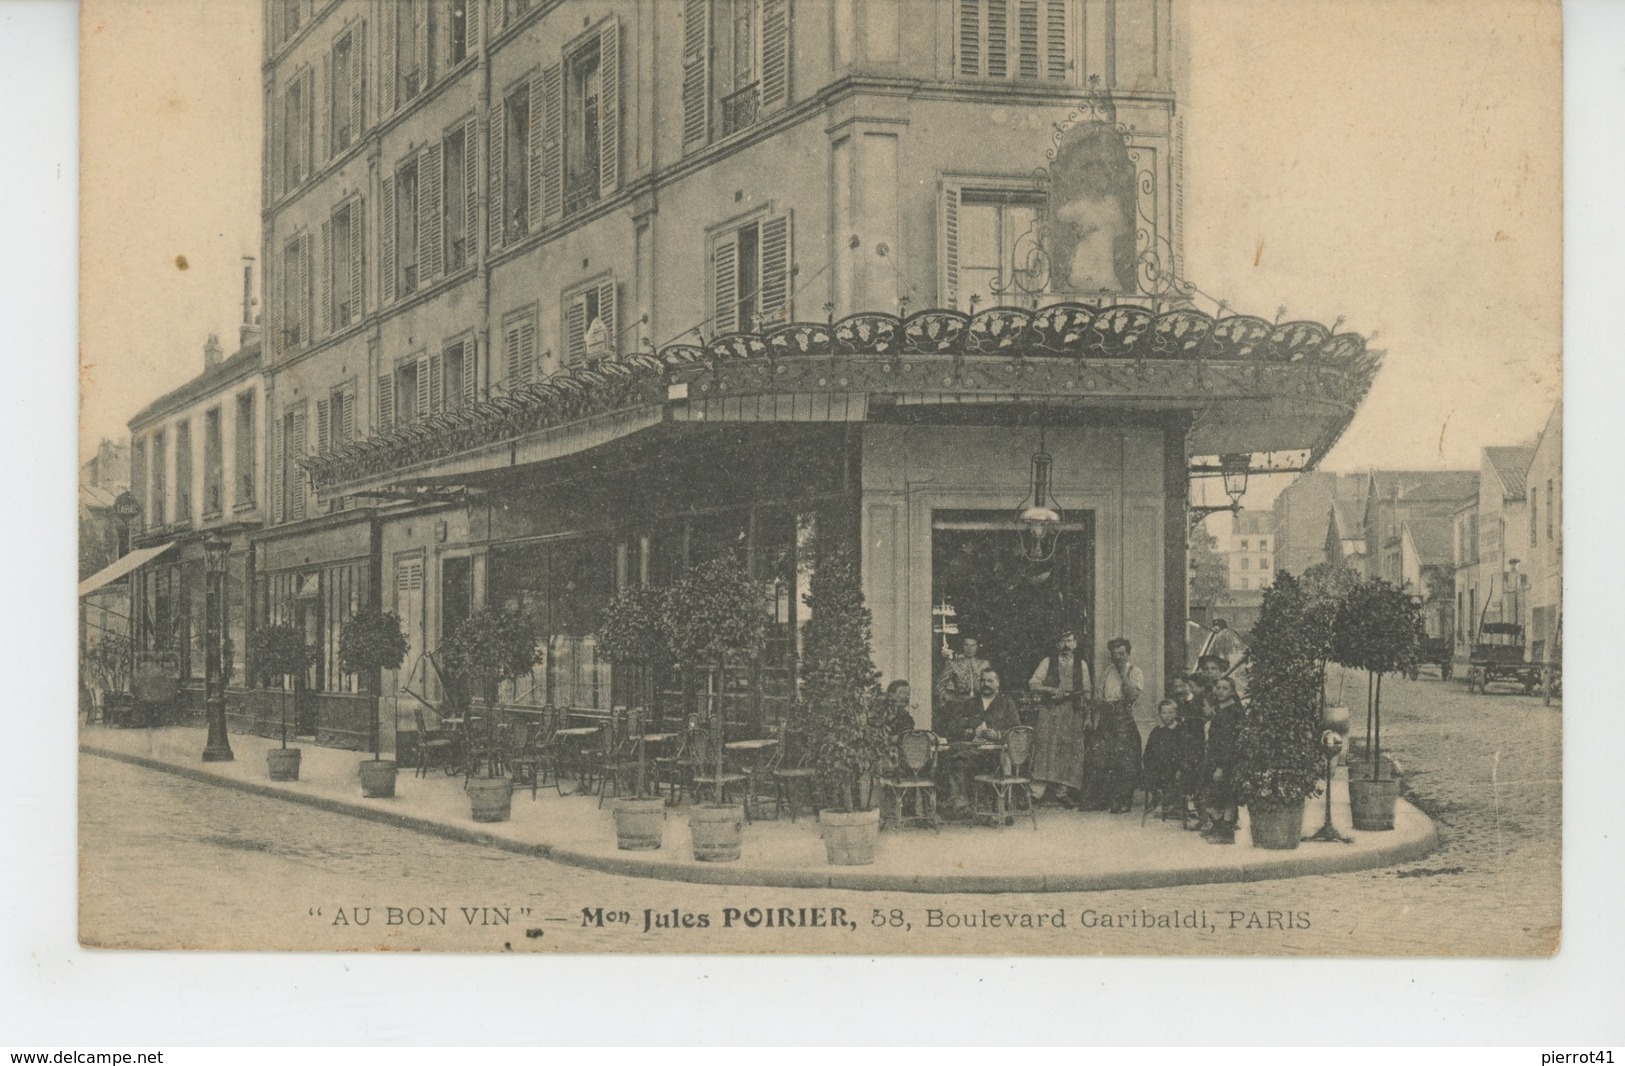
x: 1062, y: 685
x: 1222, y: 762
x: 1120, y: 687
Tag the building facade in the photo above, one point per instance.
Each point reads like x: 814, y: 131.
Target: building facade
x: 567, y: 295
x: 195, y: 459
x: 1543, y: 568
x: 1301, y: 513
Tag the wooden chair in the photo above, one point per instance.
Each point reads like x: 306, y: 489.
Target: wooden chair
x: 1010, y: 780
x: 618, y: 758
x: 548, y: 749
x: 792, y: 775
x: 435, y: 748
x: 914, y: 775
x: 705, y: 773
x: 523, y: 761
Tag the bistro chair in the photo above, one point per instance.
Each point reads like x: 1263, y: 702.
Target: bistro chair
x: 548, y: 749
x: 792, y: 775
x: 1010, y: 780
x: 762, y: 782
x: 618, y: 759
x: 435, y: 748
x: 914, y: 775
x: 523, y: 760
x: 676, y: 770
x: 707, y: 744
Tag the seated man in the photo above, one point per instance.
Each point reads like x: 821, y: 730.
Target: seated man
x: 983, y: 718
x: 894, y: 715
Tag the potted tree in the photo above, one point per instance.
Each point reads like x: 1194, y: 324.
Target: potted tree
x: 372, y: 641
x: 111, y: 662
x: 838, y: 717
x: 712, y: 619
x: 279, y: 652
x: 1324, y: 587
x: 633, y: 638
x: 1280, y: 752
x: 1379, y: 630
x: 482, y: 652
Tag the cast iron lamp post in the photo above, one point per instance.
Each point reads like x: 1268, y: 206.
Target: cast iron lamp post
x: 1333, y: 736
x: 216, y: 552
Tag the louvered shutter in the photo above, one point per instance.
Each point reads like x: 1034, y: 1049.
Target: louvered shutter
x: 547, y: 180
x: 1027, y: 38
x: 696, y: 73
x: 420, y: 20
x: 429, y: 207
x: 304, y: 293
x: 347, y: 422
x: 386, y: 243
x: 998, y: 38
x: 421, y: 406
x: 775, y: 76
x: 138, y: 475
x: 606, y: 311
x: 970, y: 38
x: 307, y: 143
x: 468, y: 384
x: 527, y: 349
x: 575, y: 327
x: 272, y: 182
x: 1055, y: 40
x: 775, y: 260
x: 296, y: 473
x: 325, y: 142
x: 510, y: 341
x: 609, y: 108
x: 273, y: 448
x: 948, y: 247
x: 386, y: 49
x: 437, y: 395
x: 497, y: 165
x: 326, y: 270
x: 357, y: 218
x: 471, y: 24
x: 470, y: 177
x: 324, y: 436
x: 386, y: 401
x: 358, y: 68
x: 725, y: 284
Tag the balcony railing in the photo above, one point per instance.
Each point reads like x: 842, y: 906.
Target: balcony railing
x: 739, y: 109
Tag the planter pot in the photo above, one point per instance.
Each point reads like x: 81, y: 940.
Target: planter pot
x: 717, y: 830
x: 1278, y: 826
x: 1372, y: 802
x: 1360, y: 766
x: 490, y: 798
x: 378, y: 778
x: 639, y: 823
x: 283, y: 765
x: 850, y: 837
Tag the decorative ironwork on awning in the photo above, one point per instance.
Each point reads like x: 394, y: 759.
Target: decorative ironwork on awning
x: 1252, y: 384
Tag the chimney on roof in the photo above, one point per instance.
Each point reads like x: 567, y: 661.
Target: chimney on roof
x: 249, y: 332
x: 212, y: 352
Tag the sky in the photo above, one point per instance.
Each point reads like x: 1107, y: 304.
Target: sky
x: 1393, y: 162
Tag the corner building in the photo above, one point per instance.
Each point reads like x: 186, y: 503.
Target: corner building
x: 567, y: 295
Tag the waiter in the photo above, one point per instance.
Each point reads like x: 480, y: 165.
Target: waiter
x: 1062, y: 684
x: 1120, y: 688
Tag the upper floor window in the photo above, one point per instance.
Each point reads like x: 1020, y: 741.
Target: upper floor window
x: 457, y: 217
x: 213, y: 463
x: 1243, y: 545
x: 519, y: 346
x: 408, y: 51
x: 344, y: 265
x: 295, y: 306
x: 589, y: 322
x: 1534, y: 516
x: 407, y: 206
x: 736, y: 65
x: 289, y: 482
x: 183, y: 472
x: 457, y: 368
x: 345, y: 88
x: 511, y: 149
x: 295, y: 135
x: 243, y: 466
x: 982, y: 227
x: 160, y: 480
x: 457, y: 30
x: 1013, y: 39
x: 750, y: 275
x: 1551, y: 506
x: 582, y: 130
x: 290, y: 14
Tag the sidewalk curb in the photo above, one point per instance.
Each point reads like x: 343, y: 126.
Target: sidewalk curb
x: 1300, y: 864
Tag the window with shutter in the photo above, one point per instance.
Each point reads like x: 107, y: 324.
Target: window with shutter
x: 696, y: 73
x: 725, y: 284
x: 424, y: 381
x: 342, y: 275
x: 429, y: 213
x: 751, y: 275
x: 519, y: 340
x: 471, y: 198
x: 609, y: 108
x: 470, y: 370
x: 776, y: 263
x: 324, y: 434
x: 183, y: 472
x: 406, y: 390
x: 328, y: 268
x: 408, y: 223
x: 1014, y: 39
x: 388, y: 100
x: 948, y: 248
x: 456, y: 30
x: 386, y: 242
x: 454, y: 219
x: 243, y: 467
x: 775, y: 58
x: 296, y: 474
x: 978, y: 231
x: 437, y: 394
x: 451, y: 363
x: 386, y: 402
x: 275, y: 460
x: 511, y: 151
x: 547, y: 154
x: 585, y: 309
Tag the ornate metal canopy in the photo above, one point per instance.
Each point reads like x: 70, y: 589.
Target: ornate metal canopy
x: 1250, y: 385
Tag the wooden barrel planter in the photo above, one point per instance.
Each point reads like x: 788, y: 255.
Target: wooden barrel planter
x: 378, y: 778
x: 718, y: 831
x: 1372, y: 802
x: 850, y: 837
x: 1277, y: 826
x: 490, y: 798
x: 639, y: 823
x: 283, y: 764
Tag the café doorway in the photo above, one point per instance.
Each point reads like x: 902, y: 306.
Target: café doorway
x: 982, y: 586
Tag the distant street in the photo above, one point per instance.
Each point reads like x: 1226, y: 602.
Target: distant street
x: 167, y: 862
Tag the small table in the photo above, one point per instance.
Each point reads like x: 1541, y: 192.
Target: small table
x: 752, y: 755
x: 568, y: 737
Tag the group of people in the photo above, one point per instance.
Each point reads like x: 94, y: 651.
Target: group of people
x: 1087, y: 747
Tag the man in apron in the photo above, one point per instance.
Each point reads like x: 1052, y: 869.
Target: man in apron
x: 1063, y: 687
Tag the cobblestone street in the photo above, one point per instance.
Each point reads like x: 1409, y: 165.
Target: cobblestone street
x: 255, y: 872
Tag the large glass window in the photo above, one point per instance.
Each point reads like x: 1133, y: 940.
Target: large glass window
x: 563, y: 585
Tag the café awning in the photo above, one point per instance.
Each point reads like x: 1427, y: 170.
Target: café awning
x: 128, y: 564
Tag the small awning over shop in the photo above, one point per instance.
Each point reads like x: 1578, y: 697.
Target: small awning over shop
x: 128, y: 564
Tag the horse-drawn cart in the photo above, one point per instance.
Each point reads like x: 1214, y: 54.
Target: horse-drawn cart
x: 1498, y: 657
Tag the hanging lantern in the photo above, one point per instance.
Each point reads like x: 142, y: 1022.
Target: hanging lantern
x: 1039, y: 517
x: 1234, y: 469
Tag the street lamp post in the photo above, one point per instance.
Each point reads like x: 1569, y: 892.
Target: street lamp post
x: 216, y: 553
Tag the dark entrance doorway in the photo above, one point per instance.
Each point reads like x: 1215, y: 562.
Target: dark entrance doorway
x: 982, y: 587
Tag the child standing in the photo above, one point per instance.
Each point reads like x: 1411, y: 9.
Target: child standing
x: 1162, y: 756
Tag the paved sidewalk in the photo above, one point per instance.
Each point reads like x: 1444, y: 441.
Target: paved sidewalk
x: 1068, y: 852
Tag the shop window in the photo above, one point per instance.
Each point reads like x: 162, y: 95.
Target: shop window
x: 563, y: 586
x: 343, y: 592
x: 751, y: 274
x: 1013, y: 39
